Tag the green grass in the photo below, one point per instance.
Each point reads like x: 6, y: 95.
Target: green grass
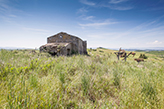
x: 159, y: 54
x: 37, y: 80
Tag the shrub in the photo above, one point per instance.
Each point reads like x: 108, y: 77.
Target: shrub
x: 143, y: 56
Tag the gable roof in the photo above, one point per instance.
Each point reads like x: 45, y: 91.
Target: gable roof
x: 65, y: 34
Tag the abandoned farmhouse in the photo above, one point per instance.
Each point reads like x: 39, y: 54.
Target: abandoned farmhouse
x: 64, y: 44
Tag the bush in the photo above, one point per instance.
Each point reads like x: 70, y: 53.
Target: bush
x: 143, y: 56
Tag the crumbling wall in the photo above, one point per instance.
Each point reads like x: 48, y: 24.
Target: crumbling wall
x: 78, y: 45
x: 85, y: 47
x: 57, y: 48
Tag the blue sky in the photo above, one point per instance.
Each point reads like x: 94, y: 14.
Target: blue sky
x: 105, y: 23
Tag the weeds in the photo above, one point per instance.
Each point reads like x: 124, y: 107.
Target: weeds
x: 85, y: 84
x: 33, y: 80
x: 116, y: 79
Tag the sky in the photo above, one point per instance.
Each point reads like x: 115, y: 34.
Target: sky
x: 102, y: 23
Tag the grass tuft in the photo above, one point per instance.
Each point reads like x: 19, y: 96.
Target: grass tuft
x: 32, y: 80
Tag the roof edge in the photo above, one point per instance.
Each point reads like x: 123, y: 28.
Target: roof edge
x: 64, y: 33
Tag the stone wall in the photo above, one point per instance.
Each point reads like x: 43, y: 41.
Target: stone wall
x: 57, y: 48
x: 78, y: 45
x: 85, y: 47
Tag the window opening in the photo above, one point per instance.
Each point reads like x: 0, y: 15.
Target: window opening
x: 61, y: 36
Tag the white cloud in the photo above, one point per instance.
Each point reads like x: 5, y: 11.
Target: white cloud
x: 88, y: 17
x: 117, y: 1
x: 83, y: 16
x: 4, y: 7
x: 11, y: 15
x: 121, y: 8
x: 97, y: 24
x: 139, y: 36
x: 101, y: 35
x: 117, y: 5
x: 82, y: 10
x: 146, y: 29
x: 36, y: 30
x: 86, y: 2
x: 156, y: 42
x: 112, y: 4
x: 7, y: 12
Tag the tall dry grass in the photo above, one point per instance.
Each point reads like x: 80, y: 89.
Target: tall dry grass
x: 37, y: 80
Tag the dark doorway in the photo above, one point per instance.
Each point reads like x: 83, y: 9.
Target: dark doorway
x: 68, y: 52
x: 53, y: 54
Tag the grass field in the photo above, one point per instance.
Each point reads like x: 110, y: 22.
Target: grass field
x: 38, y: 81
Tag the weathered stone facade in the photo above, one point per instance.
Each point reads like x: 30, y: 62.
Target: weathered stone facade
x: 64, y: 44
